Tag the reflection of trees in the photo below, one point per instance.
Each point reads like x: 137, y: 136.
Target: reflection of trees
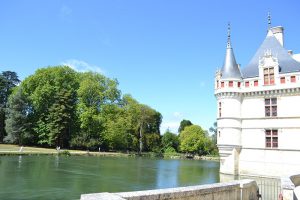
x: 193, y: 172
x: 167, y: 172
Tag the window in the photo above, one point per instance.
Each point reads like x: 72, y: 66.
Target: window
x: 271, y: 107
x: 271, y: 138
x: 293, y: 79
x: 230, y: 83
x: 247, y: 84
x: 222, y: 84
x: 220, y: 109
x: 239, y: 84
x: 282, y: 80
x: 269, y: 76
x: 255, y: 83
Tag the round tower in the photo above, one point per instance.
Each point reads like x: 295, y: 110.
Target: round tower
x: 227, y: 91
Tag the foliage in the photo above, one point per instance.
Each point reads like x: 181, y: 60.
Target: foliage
x: 17, y: 126
x: 193, y: 140
x: 170, y: 140
x: 170, y: 150
x: 8, y: 80
x: 57, y: 106
x: 184, y: 123
x: 214, y: 130
x: 51, y: 92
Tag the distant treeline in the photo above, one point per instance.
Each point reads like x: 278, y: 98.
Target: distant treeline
x: 58, y: 106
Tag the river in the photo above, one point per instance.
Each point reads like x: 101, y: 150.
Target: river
x: 63, y: 177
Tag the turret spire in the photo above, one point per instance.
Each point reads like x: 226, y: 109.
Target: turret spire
x: 228, y: 36
x: 269, y: 20
x: 230, y: 69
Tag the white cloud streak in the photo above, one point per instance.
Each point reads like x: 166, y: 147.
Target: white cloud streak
x: 82, y: 66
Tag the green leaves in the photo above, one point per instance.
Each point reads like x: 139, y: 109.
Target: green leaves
x: 193, y: 140
x: 57, y: 106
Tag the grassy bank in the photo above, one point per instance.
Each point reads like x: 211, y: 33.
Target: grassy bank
x: 9, y: 149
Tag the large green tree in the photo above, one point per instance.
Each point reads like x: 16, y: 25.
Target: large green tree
x: 52, y: 95
x: 17, y: 125
x: 95, y: 95
x: 184, y: 123
x: 8, y: 80
x: 194, y: 140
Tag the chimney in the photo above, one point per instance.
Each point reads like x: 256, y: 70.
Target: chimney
x: 278, y: 33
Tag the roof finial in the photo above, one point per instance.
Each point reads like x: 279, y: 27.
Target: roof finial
x: 269, y: 20
x: 228, y: 36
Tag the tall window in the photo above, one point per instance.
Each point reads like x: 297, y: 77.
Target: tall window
x: 247, y: 83
x: 230, y: 83
x: 271, y: 138
x: 220, y: 109
x: 269, y: 76
x: 222, y: 84
x: 271, y: 107
x: 255, y: 83
x: 282, y: 80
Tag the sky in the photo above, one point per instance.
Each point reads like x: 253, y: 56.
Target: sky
x: 163, y: 52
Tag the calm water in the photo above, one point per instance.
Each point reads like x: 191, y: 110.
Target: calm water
x: 53, y: 177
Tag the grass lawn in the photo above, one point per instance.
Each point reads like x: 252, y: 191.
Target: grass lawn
x: 10, y: 149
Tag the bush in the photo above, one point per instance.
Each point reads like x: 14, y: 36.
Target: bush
x: 64, y: 153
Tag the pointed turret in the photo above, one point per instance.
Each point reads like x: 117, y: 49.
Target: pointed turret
x: 230, y: 69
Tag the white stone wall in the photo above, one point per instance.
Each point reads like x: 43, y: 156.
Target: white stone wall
x: 269, y: 162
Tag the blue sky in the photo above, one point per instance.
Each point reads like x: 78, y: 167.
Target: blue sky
x: 163, y: 52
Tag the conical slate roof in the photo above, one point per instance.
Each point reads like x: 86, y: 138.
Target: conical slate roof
x: 230, y: 69
x: 286, y: 62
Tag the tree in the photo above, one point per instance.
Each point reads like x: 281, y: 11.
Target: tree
x: 51, y: 93
x: 8, y: 80
x: 142, y: 120
x: 95, y: 95
x: 213, y: 129
x: 170, y: 140
x: 184, y: 123
x: 192, y: 140
x: 17, y: 126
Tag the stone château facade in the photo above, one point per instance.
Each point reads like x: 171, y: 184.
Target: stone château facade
x: 258, y: 113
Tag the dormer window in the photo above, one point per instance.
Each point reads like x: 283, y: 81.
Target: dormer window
x: 269, y: 76
x: 293, y: 79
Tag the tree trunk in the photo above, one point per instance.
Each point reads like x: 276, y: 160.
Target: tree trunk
x: 2, y: 126
x: 141, y: 139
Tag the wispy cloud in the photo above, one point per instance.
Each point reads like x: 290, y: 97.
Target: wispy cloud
x: 177, y: 114
x: 82, y: 66
x: 65, y: 11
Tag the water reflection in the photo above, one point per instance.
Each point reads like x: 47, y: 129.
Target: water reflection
x: 56, y: 161
x: 167, y: 173
x: 19, y: 162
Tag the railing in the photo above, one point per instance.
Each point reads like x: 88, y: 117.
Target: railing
x: 269, y: 189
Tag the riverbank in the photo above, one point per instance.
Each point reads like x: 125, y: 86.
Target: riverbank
x: 9, y: 149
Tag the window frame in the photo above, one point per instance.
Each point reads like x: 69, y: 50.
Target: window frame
x: 271, y: 138
x: 271, y: 107
x: 269, y: 76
